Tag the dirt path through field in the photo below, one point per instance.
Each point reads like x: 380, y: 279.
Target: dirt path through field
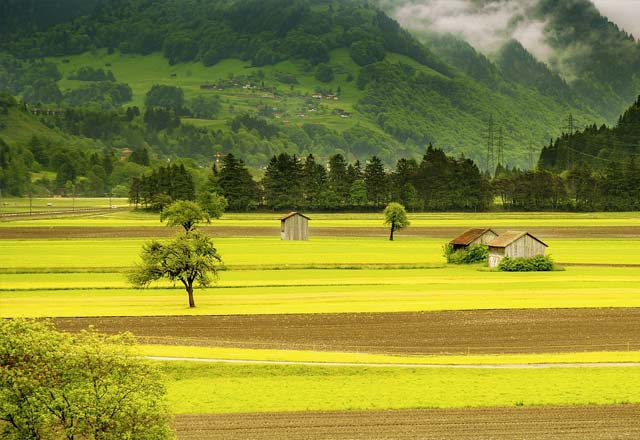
x: 530, y: 423
x: 43, y: 232
x: 422, y: 333
x: 387, y: 365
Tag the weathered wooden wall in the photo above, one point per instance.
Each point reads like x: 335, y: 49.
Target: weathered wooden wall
x: 294, y: 228
x: 524, y: 247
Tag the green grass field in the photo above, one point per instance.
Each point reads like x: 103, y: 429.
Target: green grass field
x: 345, y: 220
x: 217, y: 388
x: 21, y: 204
x: 326, y: 291
x: 270, y: 252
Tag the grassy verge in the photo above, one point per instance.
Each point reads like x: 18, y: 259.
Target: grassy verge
x: 198, y: 388
x: 327, y: 356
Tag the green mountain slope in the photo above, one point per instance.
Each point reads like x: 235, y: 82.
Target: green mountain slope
x: 382, y: 91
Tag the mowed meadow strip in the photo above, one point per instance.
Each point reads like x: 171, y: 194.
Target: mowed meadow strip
x: 272, y: 253
x: 200, y: 388
x: 450, y: 288
x: 345, y: 220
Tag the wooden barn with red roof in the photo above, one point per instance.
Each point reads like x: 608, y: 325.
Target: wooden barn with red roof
x: 473, y: 236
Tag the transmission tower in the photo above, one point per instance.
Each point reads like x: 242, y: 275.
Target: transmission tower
x: 571, y: 128
x: 490, y: 163
x: 500, y: 155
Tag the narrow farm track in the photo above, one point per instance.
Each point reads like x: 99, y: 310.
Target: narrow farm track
x: 531, y: 423
x: 383, y: 365
x: 41, y: 232
x: 446, y: 332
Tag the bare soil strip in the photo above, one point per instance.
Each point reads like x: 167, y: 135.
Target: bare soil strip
x: 531, y: 423
x: 424, y: 333
x: 29, y: 232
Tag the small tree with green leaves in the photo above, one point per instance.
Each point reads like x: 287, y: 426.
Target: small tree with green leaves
x: 395, y: 216
x: 212, y: 203
x: 184, y: 213
x: 188, y: 258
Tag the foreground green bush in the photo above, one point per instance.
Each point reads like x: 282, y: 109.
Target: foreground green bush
x: 539, y: 263
x: 476, y: 253
x: 88, y: 386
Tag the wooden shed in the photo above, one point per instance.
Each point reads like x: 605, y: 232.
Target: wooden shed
x: 294, y: 226
x: 514, y: 244
x: 473, y: 236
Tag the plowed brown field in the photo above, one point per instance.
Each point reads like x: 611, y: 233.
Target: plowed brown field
x: 527, y: 423
x: 22, y: 232
x: 478, y: 331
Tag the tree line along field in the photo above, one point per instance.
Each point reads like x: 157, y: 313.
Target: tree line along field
x: 362, y: 301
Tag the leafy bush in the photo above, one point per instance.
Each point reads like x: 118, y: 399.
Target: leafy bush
x: 539, y: 263
x: 476, y: 253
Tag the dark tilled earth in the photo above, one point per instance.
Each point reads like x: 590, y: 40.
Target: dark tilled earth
x: 446, y: 332
x: 526, y: 423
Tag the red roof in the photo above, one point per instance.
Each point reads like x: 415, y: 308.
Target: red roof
x: 291, y: 214
x: 470, y: 235
x: 509, y: 237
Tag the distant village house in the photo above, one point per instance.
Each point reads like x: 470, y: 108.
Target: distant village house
x: 514, y: 244
x: 473, y: 236
x: 294, y: 226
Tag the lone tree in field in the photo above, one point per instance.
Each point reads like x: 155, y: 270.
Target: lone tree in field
x: 396, y: 216
x: 188, y: 258
x: 56, y: 385
x: 184, y: 213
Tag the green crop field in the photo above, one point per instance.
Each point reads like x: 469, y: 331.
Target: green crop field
x: 272, y: 253
x: 317, y: 291
x: 215, y: 388
x: 346, y: 220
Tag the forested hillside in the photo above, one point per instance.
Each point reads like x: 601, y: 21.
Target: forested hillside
x: 382, y: 91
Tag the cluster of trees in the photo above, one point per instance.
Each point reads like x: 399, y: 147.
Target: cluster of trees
x: 616, y: 188
x: 595, y: 147
x: 437, y: 182
x: 162, y: 186
x: 92, y: 74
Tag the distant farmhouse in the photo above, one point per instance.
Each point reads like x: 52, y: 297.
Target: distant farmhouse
x: 294, y: 226
x: 471, y: 237
x: 514, y: 244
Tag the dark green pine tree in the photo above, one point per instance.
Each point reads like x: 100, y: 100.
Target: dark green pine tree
x: 376, y: 180
x: 237, y: 185
x: 283, y: 182
x: 314, y: 183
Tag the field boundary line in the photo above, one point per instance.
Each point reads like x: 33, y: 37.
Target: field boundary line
x: 402, y: 365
